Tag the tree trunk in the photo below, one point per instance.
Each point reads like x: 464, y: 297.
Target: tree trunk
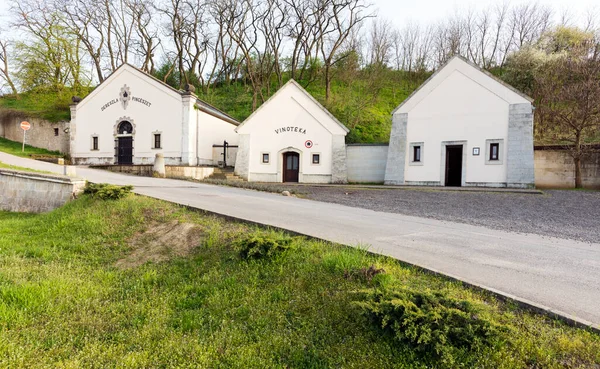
x: 327, y: 83
x: 577, y: 161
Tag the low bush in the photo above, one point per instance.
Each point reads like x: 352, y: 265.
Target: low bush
x: 263, y: 245
x: 435, y: 324
x: 107, y: 191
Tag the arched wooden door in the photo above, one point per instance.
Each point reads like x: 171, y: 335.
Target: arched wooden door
x: 291, y: 166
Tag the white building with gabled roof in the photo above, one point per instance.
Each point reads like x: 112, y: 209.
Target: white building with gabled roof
x: 462, y: 127
x: 132, y: 116
x: 292, y: 138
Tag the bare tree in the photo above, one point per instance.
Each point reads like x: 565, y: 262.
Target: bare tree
x: 337, y: 19
x: 5, y: 71
x: 568, y: 92
x: 147, y: 40
x: 380, y: 42
x: 530, y: 21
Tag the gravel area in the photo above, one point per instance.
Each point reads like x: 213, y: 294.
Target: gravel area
x: 558, y: 213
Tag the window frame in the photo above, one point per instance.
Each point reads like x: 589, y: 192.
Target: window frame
x: 413, y: 147
x: 95, y: 143
x: 312, y: 158
x: 494, y: 151
x: 499, y: 160
x: 262, y: 158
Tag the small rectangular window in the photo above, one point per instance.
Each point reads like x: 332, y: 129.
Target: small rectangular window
x: 94, y: 143
x: 265, y: 158
x: 316, y: 159
x: 56, y: 131
x: 157, y: 141
x: 494, y: 151
x: 417, y: 153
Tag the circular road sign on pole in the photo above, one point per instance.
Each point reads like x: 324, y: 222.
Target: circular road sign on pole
x: 25, y: 126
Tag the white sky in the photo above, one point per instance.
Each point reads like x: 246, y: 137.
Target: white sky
x: 430, y: 11
x: 424, y: 11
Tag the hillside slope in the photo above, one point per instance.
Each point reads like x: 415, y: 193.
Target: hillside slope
x: 362, y: 100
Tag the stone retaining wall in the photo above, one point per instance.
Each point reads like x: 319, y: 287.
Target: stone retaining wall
x: 555, y: 169
x: 171, y: 171
x: 36, y: 192
x: 43, y: 134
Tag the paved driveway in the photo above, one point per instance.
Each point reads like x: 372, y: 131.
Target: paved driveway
x: 557, y: 274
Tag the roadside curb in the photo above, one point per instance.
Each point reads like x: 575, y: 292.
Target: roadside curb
x: 417, y: 188
x: 521, y: 302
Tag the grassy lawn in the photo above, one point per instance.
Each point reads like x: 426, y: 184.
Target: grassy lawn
x: 143, y: 283
x: 14, y: 148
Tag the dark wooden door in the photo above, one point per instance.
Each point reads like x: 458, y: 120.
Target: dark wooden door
x: 125, y: 150
x: 291, y: 166
x: 454, y: 157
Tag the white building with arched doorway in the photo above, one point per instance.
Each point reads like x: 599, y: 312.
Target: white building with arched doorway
x: 132, y: 116
x: 292, y: 138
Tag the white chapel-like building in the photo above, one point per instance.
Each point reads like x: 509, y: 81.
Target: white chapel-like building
x: 292, y: 138
x: 462, y: 127
x: 132, y: 116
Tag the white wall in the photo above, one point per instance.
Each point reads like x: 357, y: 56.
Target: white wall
x: 458, y: 109
x: 366, y: 163
x: 164, y: 115
x: 213, y: 131
x: 290, y: 107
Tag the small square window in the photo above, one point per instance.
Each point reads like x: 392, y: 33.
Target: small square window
x: 56, y: 131
x: 494, y: 151
x: 94, y: 143
x: 416, y: 153
x: 265, y: 158
x: 476, y: 151
x: 157, y: 142
x: 316, y: 158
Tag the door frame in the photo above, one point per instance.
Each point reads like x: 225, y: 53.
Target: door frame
x: 117, y: 149
x: 280, y: 154
x: 117, y: 135
x: 463, y: 179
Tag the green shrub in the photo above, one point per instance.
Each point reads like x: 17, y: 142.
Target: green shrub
x: 263, y: 245
x: 433, y: 323
x: 107, y: 191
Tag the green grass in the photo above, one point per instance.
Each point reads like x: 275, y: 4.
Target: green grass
x: 64, y: 303
x: 15, y: 148
x: 49, y: 105
x: 15, y: 167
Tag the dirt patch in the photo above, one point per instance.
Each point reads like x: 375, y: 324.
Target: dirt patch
x: 161, y: 242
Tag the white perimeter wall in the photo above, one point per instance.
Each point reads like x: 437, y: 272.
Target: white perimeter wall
x: 366, y: 163
x: 458, y: 109
x: 164, y: 115
x: 213, y: 131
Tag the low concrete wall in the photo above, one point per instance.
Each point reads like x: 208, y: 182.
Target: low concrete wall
x: 35, y: 193
x: 366, y: 163
x: 43, y: 134
x: 198, y: 173
x: 555, y: 169
x: 171, y: 171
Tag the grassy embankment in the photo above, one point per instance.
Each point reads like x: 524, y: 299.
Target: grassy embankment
x: 15, y: 167
x: 14, y: 148
x: 362, y: 101
x: 76, y: 290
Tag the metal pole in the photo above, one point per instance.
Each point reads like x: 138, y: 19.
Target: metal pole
x: 23, y: 149
x: 225, y: 154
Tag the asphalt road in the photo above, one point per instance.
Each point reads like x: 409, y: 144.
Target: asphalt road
x: 556, y: 274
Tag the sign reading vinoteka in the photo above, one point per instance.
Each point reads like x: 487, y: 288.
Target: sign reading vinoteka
x: 291, y: 129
